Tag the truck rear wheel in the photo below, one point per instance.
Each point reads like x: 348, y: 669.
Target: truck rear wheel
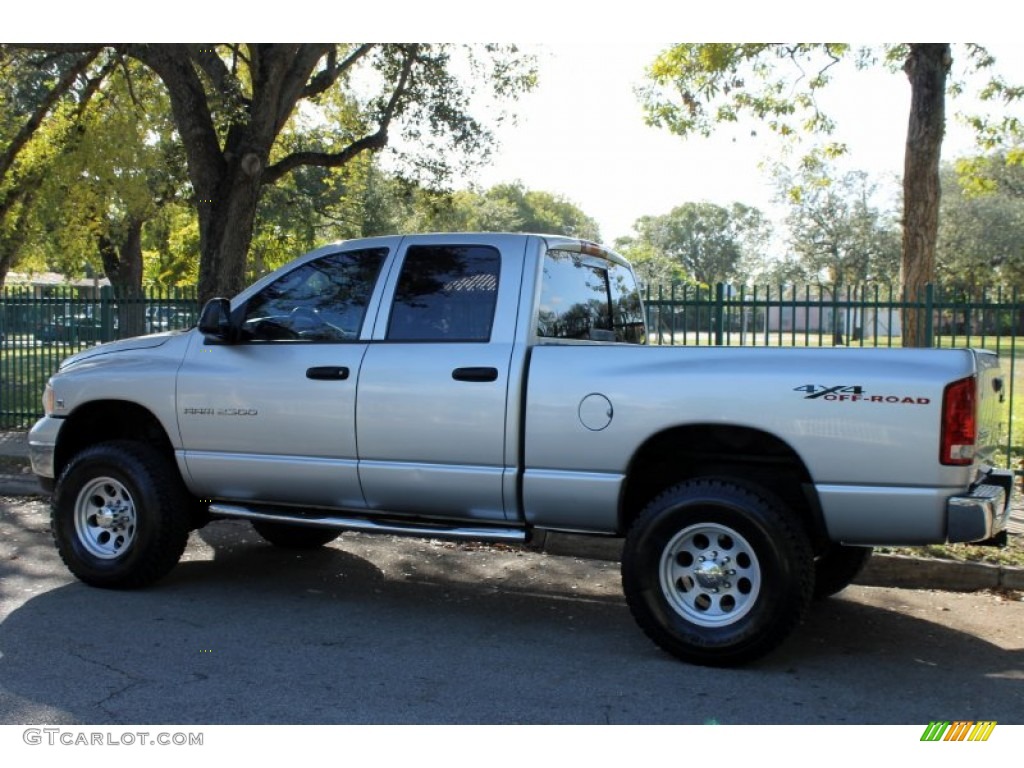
x: 837, y: 567
x: 120, y: 515
x: 289, y: 536
x: 716, y: 574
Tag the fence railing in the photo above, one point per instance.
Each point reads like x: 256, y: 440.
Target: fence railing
x: 41, y: 326
x: 818, y: 315
x: 38, y: 329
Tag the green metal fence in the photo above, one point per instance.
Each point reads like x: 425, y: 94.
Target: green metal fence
x: 41, y: 326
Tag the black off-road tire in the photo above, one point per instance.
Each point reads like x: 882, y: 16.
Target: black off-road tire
x: 836, y: 569
x: 294, y: 536
x: 120, y: 515
x: 716, y: 573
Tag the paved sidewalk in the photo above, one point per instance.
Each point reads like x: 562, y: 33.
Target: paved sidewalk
x: 13, y: 444
x: 882, y: 570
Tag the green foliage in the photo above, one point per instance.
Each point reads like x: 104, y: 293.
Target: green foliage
x: 122, y: 168
x: 652, y: 266
x: 836, y: 231
x: 171, y: 247
x: 701, y: 241
x: 440, y: 125
x: 40, y: 96
x: 981, y: 231
x: 1001, y: 129
x: 275, y: 136
x: 502, y: 208
x: 696, y: 86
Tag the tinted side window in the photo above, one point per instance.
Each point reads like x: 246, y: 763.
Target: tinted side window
x: 587, y: 298
x: 627, y: 310
x: 322, y: 300
x: 446, y: 293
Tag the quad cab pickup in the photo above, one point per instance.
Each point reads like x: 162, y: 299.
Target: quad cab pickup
x: 492, y: 387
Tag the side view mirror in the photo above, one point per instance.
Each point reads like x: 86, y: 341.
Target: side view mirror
x: 215, y: 322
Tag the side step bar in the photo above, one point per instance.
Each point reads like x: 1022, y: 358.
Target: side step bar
x: 364, y: 525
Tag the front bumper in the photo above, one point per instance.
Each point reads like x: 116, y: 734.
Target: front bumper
x: 42, y: 444
x: 984, y: 512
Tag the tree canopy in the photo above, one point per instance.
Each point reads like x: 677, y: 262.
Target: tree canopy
x: 695, y: 87
x: 702, y: 241
x: 40, y: 93
x: 231, y: 103
x: 509, y: 207
x: 835, y: 229
x: 981, y: 235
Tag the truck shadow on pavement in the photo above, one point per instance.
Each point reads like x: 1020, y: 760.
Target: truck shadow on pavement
x: 375, y: 630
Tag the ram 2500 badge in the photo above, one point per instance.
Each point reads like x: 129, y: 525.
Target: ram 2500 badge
x: 488, y: 386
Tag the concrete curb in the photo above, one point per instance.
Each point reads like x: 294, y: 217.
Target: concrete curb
x: 881, y: 571
x: 930, y: 573
x: 20, y: 485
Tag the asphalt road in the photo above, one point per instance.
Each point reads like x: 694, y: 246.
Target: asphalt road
x: 387, y: 630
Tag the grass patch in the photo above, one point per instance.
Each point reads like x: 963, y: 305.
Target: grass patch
x: 23, y: 374
x: 1012, y: 554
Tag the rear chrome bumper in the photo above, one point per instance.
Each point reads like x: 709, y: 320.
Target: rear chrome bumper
x: 982, y: 513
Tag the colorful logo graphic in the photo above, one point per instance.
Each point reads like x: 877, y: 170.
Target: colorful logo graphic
x: 958, y: 730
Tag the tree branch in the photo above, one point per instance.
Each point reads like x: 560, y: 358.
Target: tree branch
x: 412, y: 52
x: 205, y: 55
x: 372, y: 142
x: 36, y: 118
x: 299, y: 66
x: 329, y: 75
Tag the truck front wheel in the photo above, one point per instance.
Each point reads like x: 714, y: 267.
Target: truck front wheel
x: 120, y: 515
x: 716, y: 574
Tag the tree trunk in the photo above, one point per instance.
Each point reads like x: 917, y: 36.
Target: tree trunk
x: 226, y: 226
x: 123, y: 266
x: 927, y: 66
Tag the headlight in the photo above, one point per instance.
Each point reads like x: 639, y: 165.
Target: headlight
x: 48, y: 399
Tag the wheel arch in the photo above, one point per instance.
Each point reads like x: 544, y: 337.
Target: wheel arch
x: 104, y: 420
x: 746, y: 455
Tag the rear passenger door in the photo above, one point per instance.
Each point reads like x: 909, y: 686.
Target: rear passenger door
x: 434, y: 382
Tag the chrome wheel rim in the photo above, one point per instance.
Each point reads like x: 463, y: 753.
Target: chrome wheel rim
x: 105, y: 519
x: 710, y: 575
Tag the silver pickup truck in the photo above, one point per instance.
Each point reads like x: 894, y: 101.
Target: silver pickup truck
x: 495, y: 386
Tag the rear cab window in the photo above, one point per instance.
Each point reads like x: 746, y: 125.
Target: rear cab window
x: 588, y: 298
x: 446, y: 293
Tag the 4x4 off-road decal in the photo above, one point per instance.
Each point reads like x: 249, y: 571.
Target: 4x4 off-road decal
x: 855, y: 393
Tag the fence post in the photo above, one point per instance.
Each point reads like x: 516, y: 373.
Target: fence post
x: 719, y: 314
x: 106, y: 313
x: 929, y: 319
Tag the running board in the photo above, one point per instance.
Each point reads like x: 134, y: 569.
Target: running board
x: 363, y: 525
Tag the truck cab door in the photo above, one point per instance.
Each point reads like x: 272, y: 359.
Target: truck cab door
x: 271, y: 416
x: 434, y: 385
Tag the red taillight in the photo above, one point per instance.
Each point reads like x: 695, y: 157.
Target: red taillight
x: 959, y: 427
